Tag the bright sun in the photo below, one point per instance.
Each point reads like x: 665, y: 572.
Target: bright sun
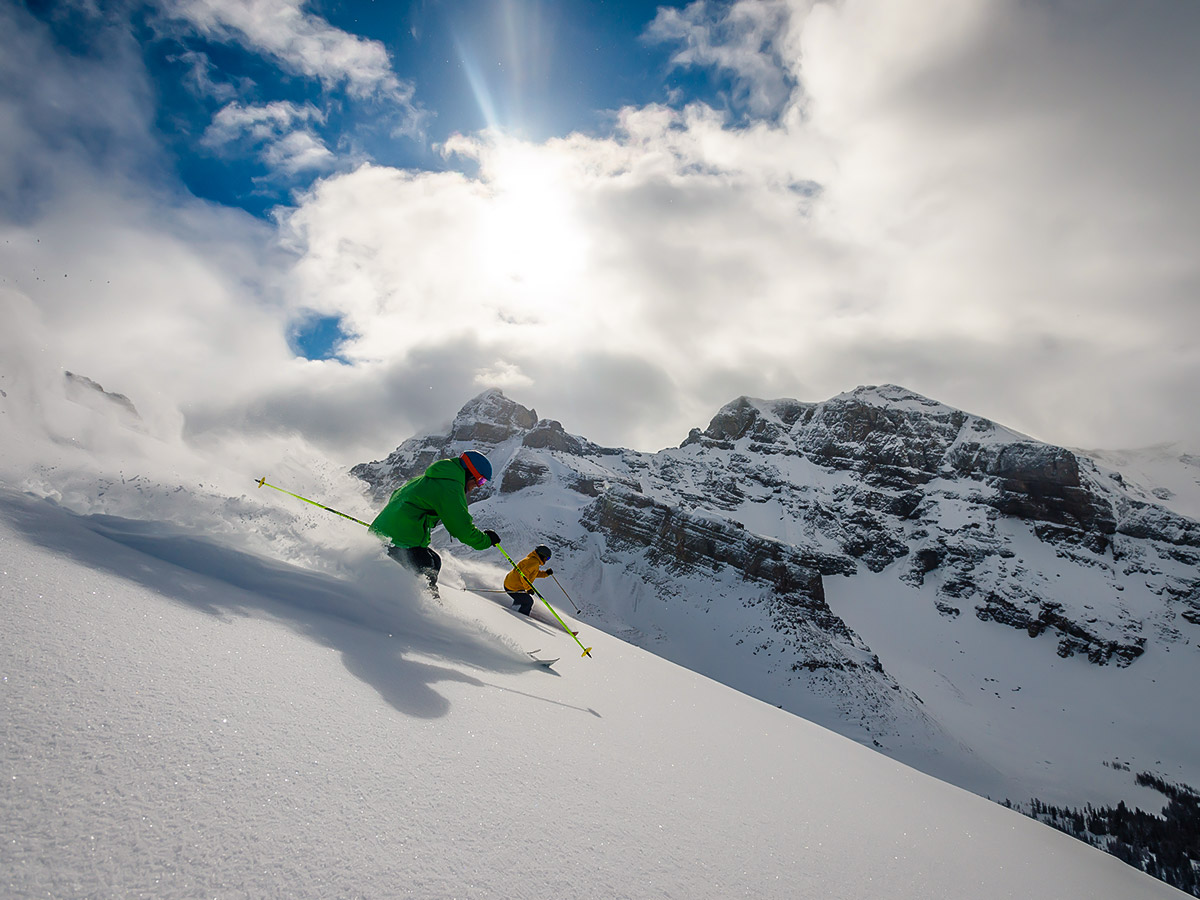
x: 533, y: 242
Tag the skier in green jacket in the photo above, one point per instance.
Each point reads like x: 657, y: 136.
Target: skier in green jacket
x: 438, y: 496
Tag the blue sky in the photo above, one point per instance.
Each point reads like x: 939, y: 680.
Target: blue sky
x: 340, y: 221
x: 534, y: 69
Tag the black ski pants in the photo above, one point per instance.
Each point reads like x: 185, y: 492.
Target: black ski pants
x: 522, y: 599
x: 421, y: 560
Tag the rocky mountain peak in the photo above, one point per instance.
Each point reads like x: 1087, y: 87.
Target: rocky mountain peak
x: 735, y: 419
x: 484, y: 423
x: 891, y: 395
x: 491, y: 418
x: 763, y: 421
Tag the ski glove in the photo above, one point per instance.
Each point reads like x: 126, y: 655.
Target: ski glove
x: 548, y: 571
x: 492, y: 536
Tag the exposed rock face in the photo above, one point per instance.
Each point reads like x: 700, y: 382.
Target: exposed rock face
x: 524, y: 471
x: 909, y: 441
x: 677, y: 541
x: 1041, y: 483
x: 1073, y: 637
x: 675, y: 538
x: 890, y: 446
x: 549, y: 435
x: 1142, y: 520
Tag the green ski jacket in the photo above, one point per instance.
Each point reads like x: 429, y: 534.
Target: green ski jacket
x: 416, y: 508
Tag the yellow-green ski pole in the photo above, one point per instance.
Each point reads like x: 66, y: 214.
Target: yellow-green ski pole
x: 587, y: 651
x: 262, y: 482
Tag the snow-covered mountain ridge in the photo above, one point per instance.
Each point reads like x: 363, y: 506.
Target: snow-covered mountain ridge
x: 775, y: 549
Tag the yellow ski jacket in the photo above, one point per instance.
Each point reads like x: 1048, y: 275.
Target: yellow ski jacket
x: 531, y: 568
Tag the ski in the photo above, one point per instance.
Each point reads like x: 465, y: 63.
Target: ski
x: 541, y: 662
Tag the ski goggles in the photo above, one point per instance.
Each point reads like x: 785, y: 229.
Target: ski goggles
x: 479, y: 479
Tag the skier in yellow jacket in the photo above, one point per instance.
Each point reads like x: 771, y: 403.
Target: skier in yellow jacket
x: 519, y: 582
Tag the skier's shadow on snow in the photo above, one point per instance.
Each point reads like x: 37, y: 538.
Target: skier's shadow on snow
x: 375, y: 637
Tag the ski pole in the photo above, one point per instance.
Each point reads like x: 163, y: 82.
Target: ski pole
x: 495, y: 591
x: 587, y: 651
x: 262, y: 482
x: 565, y: 594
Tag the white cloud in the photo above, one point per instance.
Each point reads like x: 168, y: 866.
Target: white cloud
x: 202, y: 77
x: 260, y: 122
x: 273, y: 127
x: 299, y: 40
x: 993, y: 204
x: 299, y: 151
x: 742, y: 40
x: 503, y: 375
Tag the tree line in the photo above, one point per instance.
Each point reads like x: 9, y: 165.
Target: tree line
x: 1166, y: 846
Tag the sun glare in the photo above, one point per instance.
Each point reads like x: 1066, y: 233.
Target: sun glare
x: 533, y: 243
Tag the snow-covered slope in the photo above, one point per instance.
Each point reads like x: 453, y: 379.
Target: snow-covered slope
x: 184, y: 717
x: 1167, y: 474
x: 1005, y: 614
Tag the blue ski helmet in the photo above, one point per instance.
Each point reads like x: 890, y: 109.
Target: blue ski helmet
x: 543, y: 551
x: 477, y: 465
